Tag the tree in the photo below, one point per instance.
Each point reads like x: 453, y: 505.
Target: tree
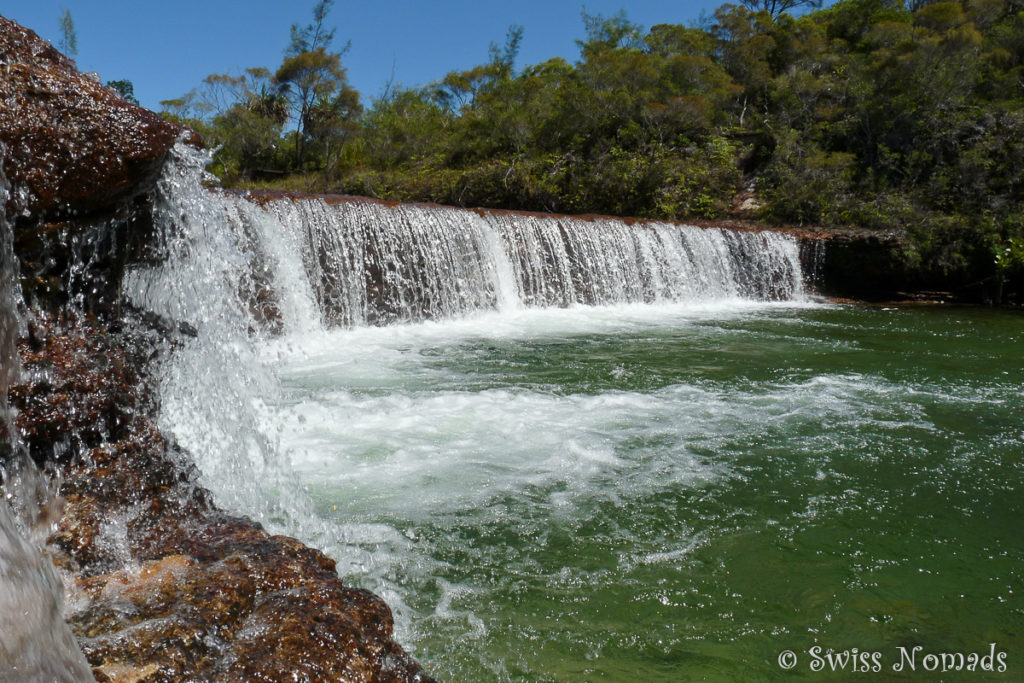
x: 69, y: 38
x: 504, y: 58
x: 265, y: 99
x: 610, y: 32
x: 312, y: 75
x: 404, y: 125
x: 745, y: 47
x: 307, y: 78
x: 313, y: 35
x: 459, y: 89
x: 125, y: 88
x: 777, y: 7
x: 249, y: 131
x: 240, y: 115
x: 330, y: 121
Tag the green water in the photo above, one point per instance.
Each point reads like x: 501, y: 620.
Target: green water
x: 666, y: 495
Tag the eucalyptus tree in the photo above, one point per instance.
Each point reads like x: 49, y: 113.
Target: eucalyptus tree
x: 778, y: 7
x: 315, y: 83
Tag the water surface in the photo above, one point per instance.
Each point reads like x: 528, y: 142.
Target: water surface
x: 673, y: 492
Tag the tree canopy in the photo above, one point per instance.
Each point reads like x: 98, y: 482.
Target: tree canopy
x: 874, y: 113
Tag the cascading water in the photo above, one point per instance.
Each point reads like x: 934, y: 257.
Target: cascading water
x: 35, y: 641
x: 252, y: 286
x: 232, y: 271
x: 569, y: 450
x: 212, y: 272
x: 372, y: 264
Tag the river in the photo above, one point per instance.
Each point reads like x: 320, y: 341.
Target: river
x: 658, y: 493
x: 701, y: 470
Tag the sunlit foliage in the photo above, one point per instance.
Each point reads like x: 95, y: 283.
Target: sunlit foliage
x: 871, y: 113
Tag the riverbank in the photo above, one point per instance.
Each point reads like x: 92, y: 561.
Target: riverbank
x: 162, y: 584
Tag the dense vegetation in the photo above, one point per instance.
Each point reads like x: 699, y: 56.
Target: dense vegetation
x: 869, y: 113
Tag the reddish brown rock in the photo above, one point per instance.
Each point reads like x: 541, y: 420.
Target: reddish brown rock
x: 73, y: 146
x: 168, y: 587
x: 81, y: 162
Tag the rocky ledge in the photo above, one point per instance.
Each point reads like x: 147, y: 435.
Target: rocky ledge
x: 162, y: 584
x: 73, y: 146
x: 165, y: 586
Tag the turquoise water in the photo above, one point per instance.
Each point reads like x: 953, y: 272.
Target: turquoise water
x: 672, y: 493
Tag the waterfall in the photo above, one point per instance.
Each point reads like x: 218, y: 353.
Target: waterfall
x: 298, y: 265
x: 36, y: 643
x: 210, y: 276
x: 242, y: 277
x: 367, y: 263
x: 233, y: 270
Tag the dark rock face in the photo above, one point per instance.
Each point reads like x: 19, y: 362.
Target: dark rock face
x: 867, y: 265
x: 858, y: 264
x: 168, y: 587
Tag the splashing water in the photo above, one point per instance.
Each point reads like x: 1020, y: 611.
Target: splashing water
x: 35, y: 641
x: 565, y: 449
x: 262, y: 286
x: 235, y: 272
x: 371, y: 264
x: 638, y: 491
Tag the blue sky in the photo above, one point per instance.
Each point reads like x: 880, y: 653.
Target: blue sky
x: 166, y: 48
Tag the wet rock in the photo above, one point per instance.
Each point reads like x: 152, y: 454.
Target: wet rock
x: 80, y: 161
x: 860, y: 264
x: 165, y: 586
x: 73, y: 146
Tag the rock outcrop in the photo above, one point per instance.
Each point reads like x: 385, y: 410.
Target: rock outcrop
x: 80, y: 161
x: 859, y: 264
x: 74, y: 147
x: 164, y: 585
x: 869, y: 265
x: 168, y: 587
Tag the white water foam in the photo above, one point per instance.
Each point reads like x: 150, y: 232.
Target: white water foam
x: 399, y: 444
x: 302, y: 288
